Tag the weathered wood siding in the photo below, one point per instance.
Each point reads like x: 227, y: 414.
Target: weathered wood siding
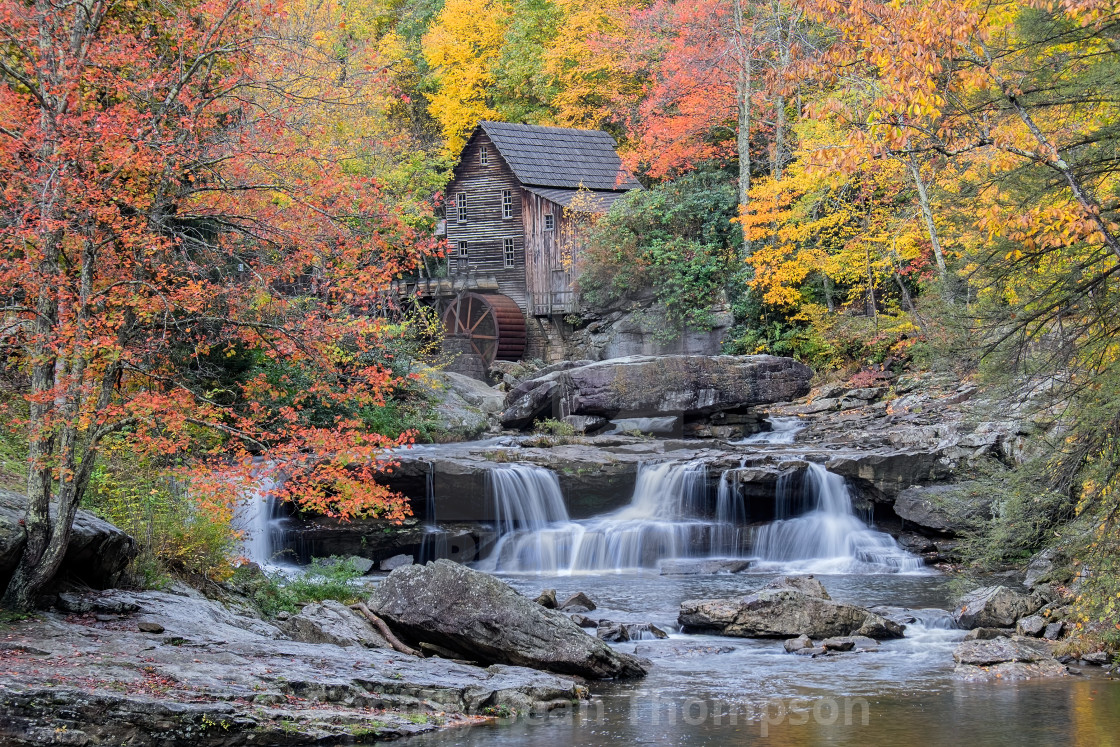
x: 485, y: 230
x: 550, y: 255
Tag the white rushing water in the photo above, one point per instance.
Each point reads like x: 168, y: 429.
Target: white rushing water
x: 670, y: 516
x: 783, y: 430
x: 664, y: 519
x: 827, y: 536
x: 254, y: 518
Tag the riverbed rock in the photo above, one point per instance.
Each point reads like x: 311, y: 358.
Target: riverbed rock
x: 1031, y: 626
x: 987, y: 634
x: 674, y: 649
x: 577, y: 603
x: 805, y: 584
x: 796, y: 644
x: 615, y: 632
x: 783, y: 612
x: 703, y: 567
x: 1053, y: 631
x: 395, y: 562
x: 1006, y: 659
x: 995, y: 607
x: 228, y: 678
x: 96, y: 556
x: 333, y: 622
x: 651, y: 386
x: 547, y: 599
x: 485, y: 620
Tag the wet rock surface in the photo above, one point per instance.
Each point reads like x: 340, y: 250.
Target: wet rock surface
x: 784, y: 610
x: 222, y: 676
x: 1008, y: 659
x: 995, y: 607
x: 485, y: 620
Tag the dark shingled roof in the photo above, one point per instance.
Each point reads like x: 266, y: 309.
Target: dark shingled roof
x: 589, y: 201
x: 561, y: 157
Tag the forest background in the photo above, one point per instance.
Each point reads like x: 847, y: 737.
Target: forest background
x: 869, y: 186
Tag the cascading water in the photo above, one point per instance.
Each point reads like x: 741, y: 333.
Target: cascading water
x: 665, y: 519
x: 783, y: 430
x: 829, y: 537
x: 254, y: 518
x: 434, y: 544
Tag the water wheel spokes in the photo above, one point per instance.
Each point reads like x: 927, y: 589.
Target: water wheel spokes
x: 493, y: 324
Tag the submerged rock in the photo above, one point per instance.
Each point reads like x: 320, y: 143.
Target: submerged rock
x: 995, y: 607
x: 805, y: 584
x: 703, y: 567
x: 796, y: 644
x: 622, y: 632
x: 485, y: 620
x: 678, y: 649
x: 671, y: 385
x: 784, y: 610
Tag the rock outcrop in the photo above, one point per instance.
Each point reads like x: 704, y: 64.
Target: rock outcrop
x: 334, y: 622
x: 219, y: 676
x: 995, y: 607
x: 949, y: 509
x: 789, y: 608
x: 485, y: 620
x: 659, y: 385
x: 97, y: 554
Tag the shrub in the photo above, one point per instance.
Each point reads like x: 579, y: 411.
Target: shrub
x: 174, y: 535
x: 332, y: 578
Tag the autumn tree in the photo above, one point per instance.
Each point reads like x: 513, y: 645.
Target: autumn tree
x: 161, y: 212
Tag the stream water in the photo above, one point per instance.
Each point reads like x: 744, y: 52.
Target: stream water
x: 710, y: 690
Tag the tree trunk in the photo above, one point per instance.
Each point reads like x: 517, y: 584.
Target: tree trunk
x: 743, y: 131
x: 931, y: 227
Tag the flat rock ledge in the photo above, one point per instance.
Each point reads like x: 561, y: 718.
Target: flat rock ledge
x: 219, y: 676
x: 1007, y: 659
x: 483, y: 619
x: 786, y: 608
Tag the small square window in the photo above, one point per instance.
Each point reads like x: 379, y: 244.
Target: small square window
x: 484, y: 156
x: 507, y: 204
x: 462, y: 248
x: 461, y: 205
x: 509, y: 252
x: 549, y: 221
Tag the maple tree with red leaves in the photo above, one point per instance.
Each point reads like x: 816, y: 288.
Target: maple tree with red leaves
x: 159, y: 211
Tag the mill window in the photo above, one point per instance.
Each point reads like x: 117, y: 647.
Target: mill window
x: 549, y: 221
x: 461, y: 206
x: 507, y: 204
x: 509, y: 253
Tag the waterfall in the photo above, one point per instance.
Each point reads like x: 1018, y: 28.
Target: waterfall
x: 827, y: 537
x: 434, y: 544
x: 254, y: 518
x: 664, y: 519
x: 783, y: 430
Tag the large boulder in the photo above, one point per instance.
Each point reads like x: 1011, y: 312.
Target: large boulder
x: 659, y: 385
x: 995, y: 607
x: 97, y: 554
x: 950, y: 509
x: 785, y: 611
x: 1006, y: 659
x: 476, y: 615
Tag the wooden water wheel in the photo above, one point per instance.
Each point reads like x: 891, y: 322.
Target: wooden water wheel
x: 493, y: 323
